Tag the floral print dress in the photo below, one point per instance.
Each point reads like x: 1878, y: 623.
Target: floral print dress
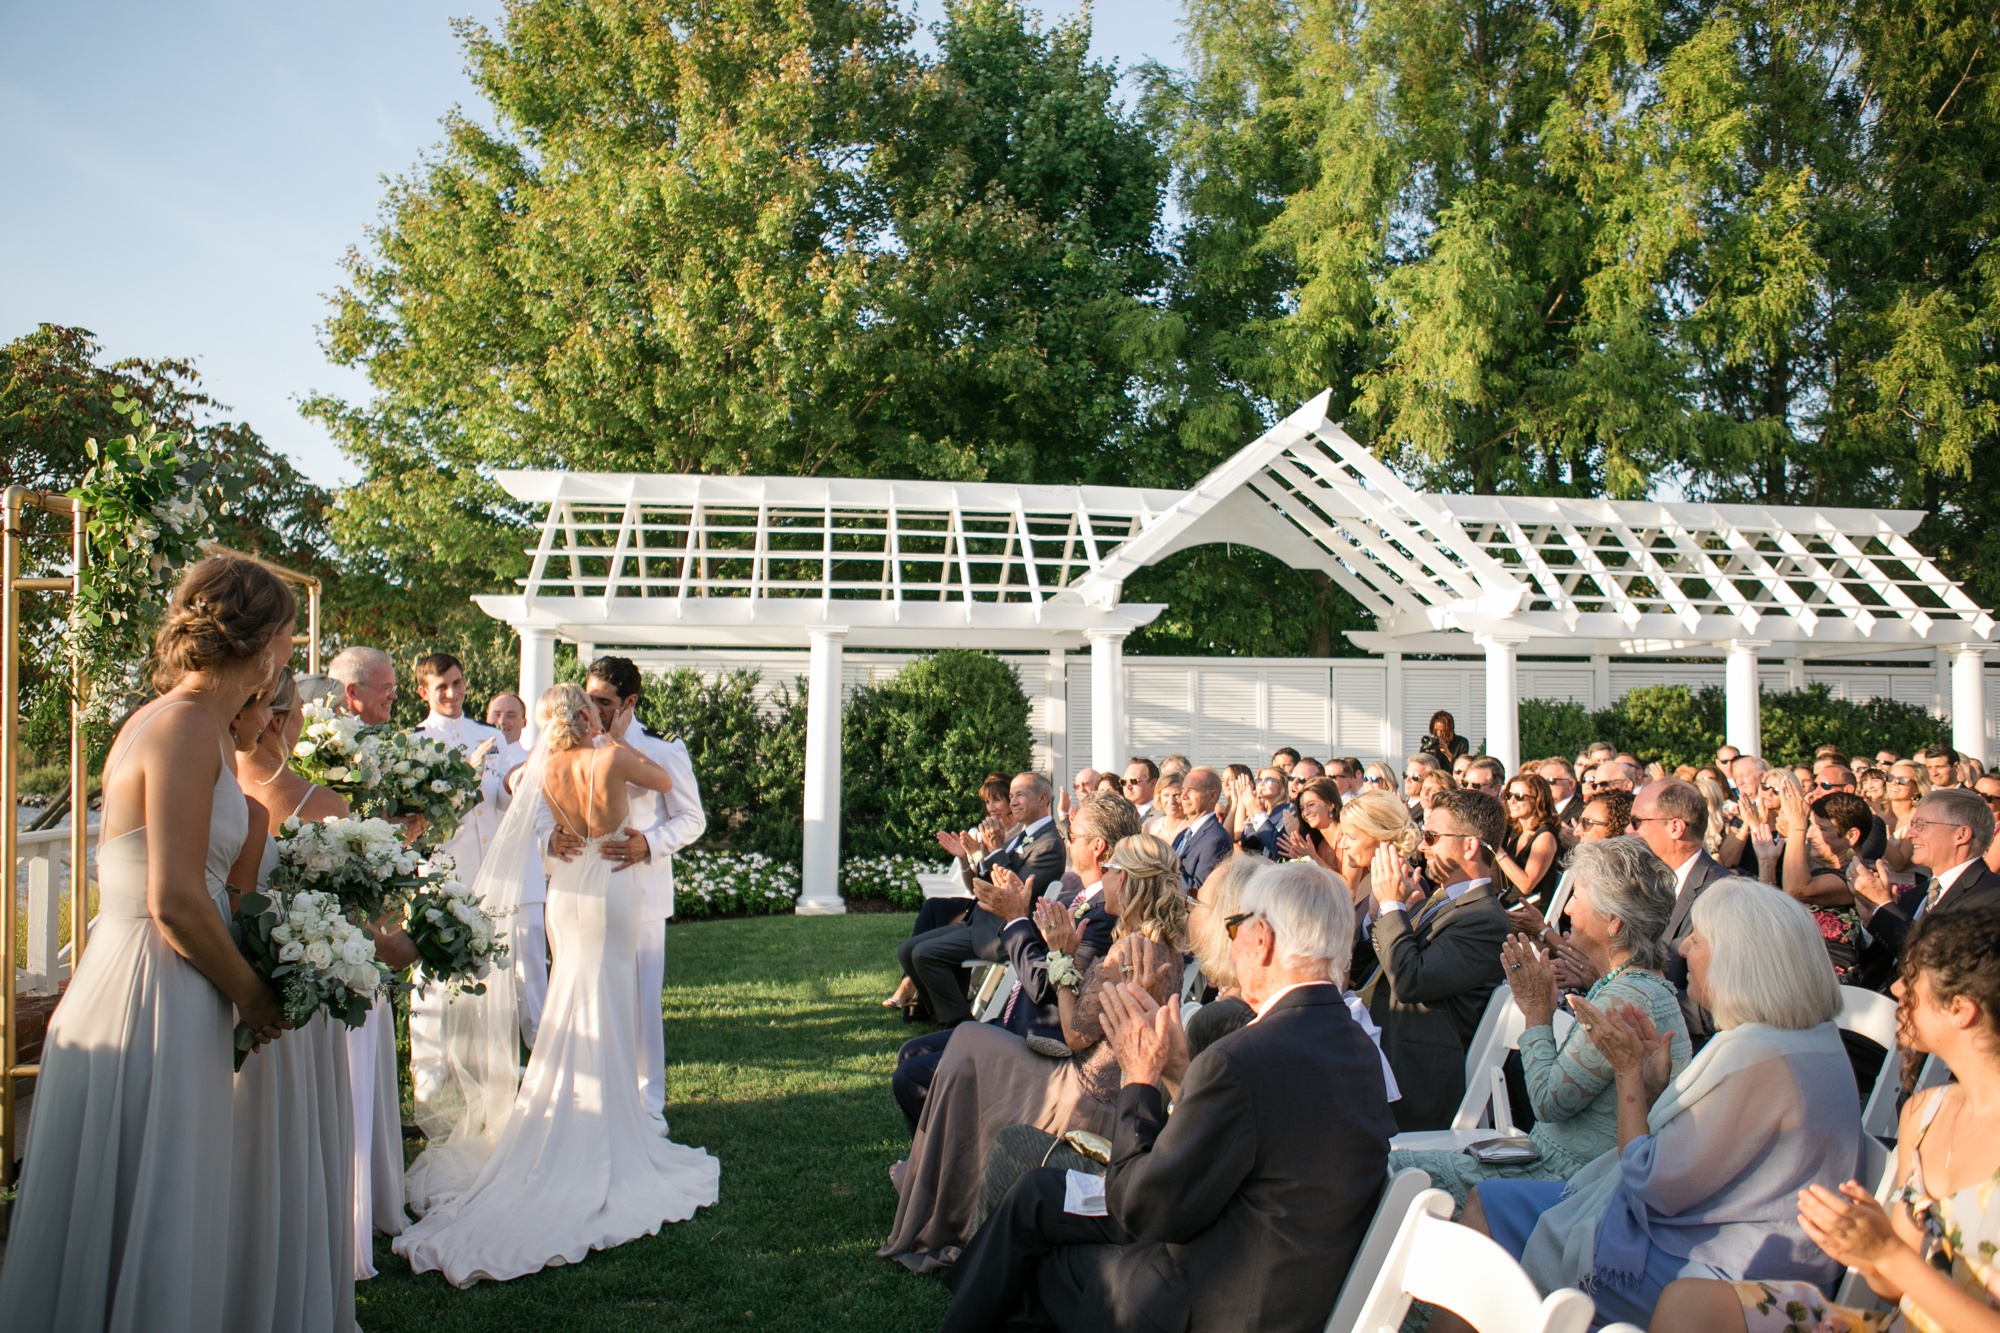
x: 1961, y: 1239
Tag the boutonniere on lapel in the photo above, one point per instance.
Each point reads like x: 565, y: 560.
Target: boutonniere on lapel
x: 1080, y: 908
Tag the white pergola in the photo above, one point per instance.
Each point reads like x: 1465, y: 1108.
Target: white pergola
x: 652, y: 560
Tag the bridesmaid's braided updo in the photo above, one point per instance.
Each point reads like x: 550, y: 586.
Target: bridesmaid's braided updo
x: 226, y: 609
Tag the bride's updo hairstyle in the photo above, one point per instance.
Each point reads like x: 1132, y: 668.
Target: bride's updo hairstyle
x: 226, y: 609
x: 555, y: 714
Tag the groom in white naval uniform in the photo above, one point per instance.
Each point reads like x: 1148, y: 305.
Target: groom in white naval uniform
x: 441, y: 684
x: 657, y: 827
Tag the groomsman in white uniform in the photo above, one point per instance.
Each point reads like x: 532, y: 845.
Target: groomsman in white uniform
x: 510, y: 716
x: 441, y: 684
x: 657, y: 827
x: 363, y: 682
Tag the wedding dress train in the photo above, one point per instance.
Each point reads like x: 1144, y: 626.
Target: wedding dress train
x: 578, y: 1165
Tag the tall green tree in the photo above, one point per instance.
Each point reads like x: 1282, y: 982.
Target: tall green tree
x: 746, y: 238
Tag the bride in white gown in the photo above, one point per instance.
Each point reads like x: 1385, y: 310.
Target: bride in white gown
x: 572, y: 1164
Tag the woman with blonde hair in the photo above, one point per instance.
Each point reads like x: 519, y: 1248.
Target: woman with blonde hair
x: 992, y: 1076
x: 1709, y: 783
x: 528, y: 1173
x: 1906, y: 788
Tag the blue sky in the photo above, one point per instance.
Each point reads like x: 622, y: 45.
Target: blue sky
x: 184, y: 178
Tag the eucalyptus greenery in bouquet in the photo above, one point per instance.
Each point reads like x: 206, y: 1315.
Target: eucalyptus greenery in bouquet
x: 363, y: 864
x: 316, y: 958
x: 453, y: 934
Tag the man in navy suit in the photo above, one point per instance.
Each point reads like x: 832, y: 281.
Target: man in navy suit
x: 1096, y: 826
x: 1949, y: 835
x: 1204, y: 844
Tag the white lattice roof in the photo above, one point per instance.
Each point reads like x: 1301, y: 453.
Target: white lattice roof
x: 659, y: 559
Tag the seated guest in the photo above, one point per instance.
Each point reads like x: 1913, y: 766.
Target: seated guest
x: 1530, y: 856
x: 1438, y: 959
x: 1812, y: 867
x: 1166, y: 821
x: 1208, y: 941
x: 1672, y: 818
x: 1708, y: 1166
x: 1619, y: 905
x: 1245, y: 1206
x: 990, y: 1078
x: 1562, y: 785
x: 936, y: 960
x: 1096, y: 827
x: 1204, y: 844
x: 1484, y: 773
x: 1370, y: 821
x: 1238, y: 802
x: 1948, y: 836
x: 1932, y: 1249
x: 1272, y: 818
x: 1318, y: 826
x: 1607, y: 815
x: 983, y: 843
x: 1432, y: 785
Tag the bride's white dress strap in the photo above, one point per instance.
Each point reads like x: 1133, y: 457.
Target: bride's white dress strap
x: 589, y: 799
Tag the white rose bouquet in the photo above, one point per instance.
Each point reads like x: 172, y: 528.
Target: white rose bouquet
x: 341, y: 753
x: 425, y: 777
x: 363, y: 864
x: 453, y: 935
x: 304, y: 946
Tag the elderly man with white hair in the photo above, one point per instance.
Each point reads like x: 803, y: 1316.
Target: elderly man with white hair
x: 1245, y: 1207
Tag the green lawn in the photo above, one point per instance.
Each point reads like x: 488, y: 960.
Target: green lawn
x: 778, y: 1062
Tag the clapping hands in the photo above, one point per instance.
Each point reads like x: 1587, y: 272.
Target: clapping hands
x: 1532, y: 979
x: 953, y: 844
x: 1851, y: 1226
x: 1146, y: 1037
x: 1626, y: 1037
x: 1057, y: 926
x: 1007, y: 895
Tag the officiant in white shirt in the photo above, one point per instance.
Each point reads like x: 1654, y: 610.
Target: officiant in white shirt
x: 441, y: 684
x: 658, y: 827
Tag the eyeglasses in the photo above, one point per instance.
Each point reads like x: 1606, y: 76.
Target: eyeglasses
x: 1902, y: 782
x: 1588, y: 822
x: 1233, y: 923
x: 1823, y: 785
x: 1373, y: 779
x: 1919, y: 825
x: 1431, y: 836
x: 1513, y: 796
x: 1131, y: 782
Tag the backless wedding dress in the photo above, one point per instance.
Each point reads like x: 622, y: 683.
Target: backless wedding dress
x: 291, y: 1231
x: 578, y: 1166
x: 123, y: 1219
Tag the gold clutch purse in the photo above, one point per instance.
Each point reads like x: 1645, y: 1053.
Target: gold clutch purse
x: 1094, y: 1146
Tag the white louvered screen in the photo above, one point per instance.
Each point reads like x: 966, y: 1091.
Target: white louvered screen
x: 1299, y: 712
x: 1080, y: 731
x: 1914, y: 687
x: 1555, y: 683
x: 1360, y: 714
x: 1159, y: 711
x: 1229, y: 728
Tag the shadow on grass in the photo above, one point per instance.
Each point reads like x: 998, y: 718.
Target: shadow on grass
x: 778, y: 1061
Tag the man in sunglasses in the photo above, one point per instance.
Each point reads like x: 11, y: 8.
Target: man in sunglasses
x: 1141, y: 777
x: 1438, y: 960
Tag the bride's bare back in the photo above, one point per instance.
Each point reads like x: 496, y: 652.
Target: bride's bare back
x: 586, y: 787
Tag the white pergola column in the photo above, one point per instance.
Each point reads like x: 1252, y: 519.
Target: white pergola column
x: 1968, y: 702
x: 1743, y: 706
x: 538, y: 672
x: 1600, y: 680
x: 1392, y: 704
x: 1503, y: 694
x: 820, y: 878
x: 1107, y: 700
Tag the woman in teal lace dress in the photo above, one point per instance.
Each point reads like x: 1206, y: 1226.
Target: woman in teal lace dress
x: 1619, y: 908
x: 1934, y: 1251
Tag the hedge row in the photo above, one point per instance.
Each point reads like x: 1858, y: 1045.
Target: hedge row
x: 1675, y: 725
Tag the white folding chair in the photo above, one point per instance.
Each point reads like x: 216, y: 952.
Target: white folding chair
x: 1872, y: 1015
x: 1403, y: 1188
x: 1879, y: 1165
x: 990, y: 990
x: 1559, y: 900
x: 943, y: 884
x: 1439, y: 1262
x: 1484, y: 1110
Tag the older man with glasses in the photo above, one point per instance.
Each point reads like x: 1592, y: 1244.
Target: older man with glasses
x: 1948, y: 836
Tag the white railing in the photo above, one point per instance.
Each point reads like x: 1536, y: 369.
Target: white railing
x: 44, y: 883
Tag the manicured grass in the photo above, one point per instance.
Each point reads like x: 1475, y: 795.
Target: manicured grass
x: 778, y: 1061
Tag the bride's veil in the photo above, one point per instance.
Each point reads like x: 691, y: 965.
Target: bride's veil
x: 465, y: 1114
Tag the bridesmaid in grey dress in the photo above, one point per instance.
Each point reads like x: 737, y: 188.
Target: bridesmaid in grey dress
x: 291, y: 1236
x: 123, y: 1217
